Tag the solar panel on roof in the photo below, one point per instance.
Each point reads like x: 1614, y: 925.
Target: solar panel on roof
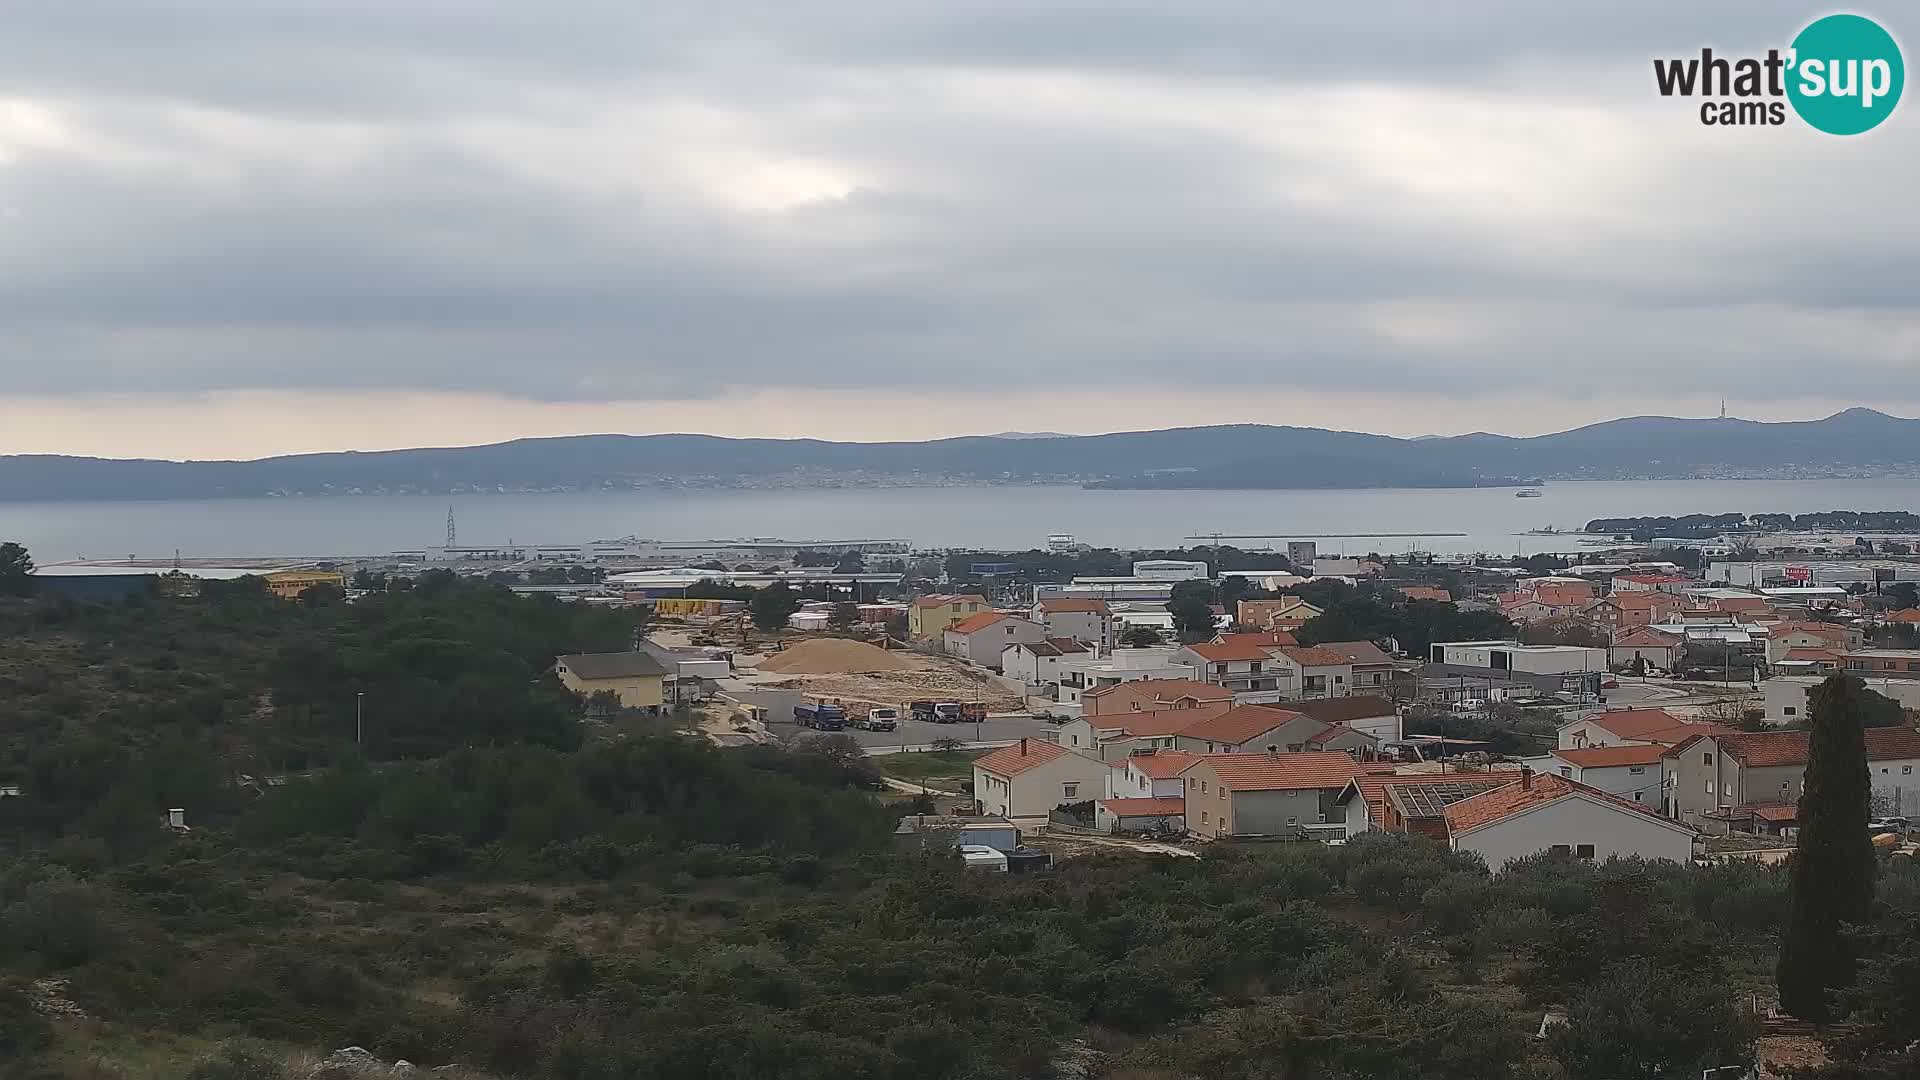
x: 1431, y: 800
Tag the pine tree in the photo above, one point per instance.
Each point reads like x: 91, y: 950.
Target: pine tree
x: 1831, y: 875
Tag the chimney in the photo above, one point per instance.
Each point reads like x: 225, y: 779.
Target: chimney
x: 1023, y: 746
x: 1526, y: 778
x: 1273, y: 751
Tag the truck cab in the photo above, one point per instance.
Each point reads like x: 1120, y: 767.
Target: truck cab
x: 881, y: 719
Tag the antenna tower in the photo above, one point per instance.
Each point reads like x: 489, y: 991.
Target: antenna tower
x: 450, y: 532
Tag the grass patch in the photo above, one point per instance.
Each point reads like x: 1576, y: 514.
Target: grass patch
x: 928, y: 768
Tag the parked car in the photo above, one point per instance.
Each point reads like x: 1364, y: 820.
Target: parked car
x: 1610, y: 684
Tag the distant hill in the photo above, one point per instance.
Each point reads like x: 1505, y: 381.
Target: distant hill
x: 1227, y: 456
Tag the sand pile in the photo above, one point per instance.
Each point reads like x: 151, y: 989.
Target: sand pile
x: 833, y: 656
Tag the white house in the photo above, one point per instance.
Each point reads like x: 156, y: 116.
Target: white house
x: 1081, y: 675
x: 980, y: 639
x: 1639, y: 727
x: 1031, y: 777
x: 1554, y: 814
x: 1376, y: 716
x: 1629, y: 770
x: 1037, y: 663
x: 1149, y: 775
x: 1089, y: 622
x: 1786, y: 695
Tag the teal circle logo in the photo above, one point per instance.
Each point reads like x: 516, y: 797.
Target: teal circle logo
x: 1846, y: 74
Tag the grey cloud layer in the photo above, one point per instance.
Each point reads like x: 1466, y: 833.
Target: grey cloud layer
x: 605, y: 201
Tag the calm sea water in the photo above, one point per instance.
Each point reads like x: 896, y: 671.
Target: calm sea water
x: 1493, y: 520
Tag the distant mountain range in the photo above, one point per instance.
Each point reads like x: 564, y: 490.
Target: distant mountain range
x: 1854, y: 442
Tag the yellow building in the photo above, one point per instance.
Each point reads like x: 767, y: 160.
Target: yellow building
x: 289, y: 584
x: 930, y: 615
x: 638, y: 679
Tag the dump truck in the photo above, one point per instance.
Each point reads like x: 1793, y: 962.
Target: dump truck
x: 821, y: 715
x: 879, y: 718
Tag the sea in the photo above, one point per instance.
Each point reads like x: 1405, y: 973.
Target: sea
x: 1442, y: 521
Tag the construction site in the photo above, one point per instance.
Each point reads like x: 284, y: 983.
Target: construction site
x: 861, y: 676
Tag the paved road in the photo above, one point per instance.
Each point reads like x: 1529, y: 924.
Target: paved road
x: 918, y: 734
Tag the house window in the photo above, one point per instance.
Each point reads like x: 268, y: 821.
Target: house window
x: 1789, y: 710
x: 1707, y: 760
x: 1203, y: 787
x: 1709, y: 785
x: 1906, y: 770
x: 1726, y: 790
x: 1070, y: 790
x: 1566, y: 771
x: 1636, y: 770
x: 1203, y: 817
x: 1562, y: 849
x: 1223, y: 794
x: 1583, y: 851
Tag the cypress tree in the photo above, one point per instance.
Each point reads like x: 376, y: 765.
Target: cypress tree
x: 1830, y: 883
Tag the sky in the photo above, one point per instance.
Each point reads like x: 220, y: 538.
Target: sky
x: 234, y: 229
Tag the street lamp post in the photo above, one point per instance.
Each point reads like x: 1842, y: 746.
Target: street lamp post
x: 359, y: 711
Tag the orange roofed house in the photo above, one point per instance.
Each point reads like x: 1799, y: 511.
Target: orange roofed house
x: 1089, y: 622
x: 1142, y: 715
x: 1031, y: 777
x: 1642, y: 727
x: 1264, y: 794
x: 1544, y: 813
x: 1376, y: 802
x: 982, y: 639
x: 929, y: 616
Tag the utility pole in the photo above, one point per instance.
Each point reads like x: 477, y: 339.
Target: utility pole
x: 359, y: 711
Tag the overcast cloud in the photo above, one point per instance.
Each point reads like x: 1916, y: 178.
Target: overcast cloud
x: 252, y: 227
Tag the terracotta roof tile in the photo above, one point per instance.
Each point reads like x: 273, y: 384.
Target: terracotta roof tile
x: 1161, y: 764
x: 1357, y: 652
x: 1171, y: 804
x: 1166, y: 690
x: 1426, y: 592
x: 1063, y: 604
x: 1231, y: 650
x: 1314, y: 656
x: 1770, y: 749
x: 943, y: 599
x: 1906, y: 615
x: 1606, y: 757
x: 1653, y: 725
x: 1147, y: 724
x: 975, y: 623
x: 1530, y: 791
x: 1237, y: 725
x: 1281, y: 772
x: 1021, y: 756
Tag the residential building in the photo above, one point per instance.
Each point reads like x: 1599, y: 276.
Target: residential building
x: 1426, y: 592
x: 1538, y: 813
x: 1666, y: 583
x: 1524, y: 608
x: 1288, y: 613
x: 1883, y: 663
x: 1155, y: 695
x: 1629, y: 770
x: 1376, y: 716
x: 1786, y: 637
x: 1373, y: 669
x: 1114, y: 739
x: 1785, y: 696
x: 1253, y: 729
x: 1141, y: 815
x: 1631, y: 727
x: 1322, y: 672
x: 1031, y: 777
x: 929, y: 616
x: 1148, y: 774
x: 1037, y: 663
x: 1264, y: 794
x: 1645, y: 647
x: 1081, y: 676
x: 1238, y: 665
x: 636, y: 678
x: 1711, y: 777
x: 1334, y: 566
x: 981, y: 639
x: 1412, y: 803
x: 1089, y: 622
